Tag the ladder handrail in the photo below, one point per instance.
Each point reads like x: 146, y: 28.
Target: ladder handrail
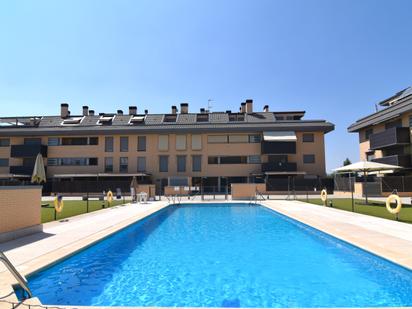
x: 19, y: 277
x: 257, y: 194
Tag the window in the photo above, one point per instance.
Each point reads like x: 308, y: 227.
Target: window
x: 217, y: 139
x: 93, y: 141
x: 4, y: 162
x: 71, y: 161
x: 308, y: 137
x: 52, y: 162
x: 368, y: 133
x: 213, y: 160
x: 370, y: 156
x: 181, y: 164
x: 177, y: 181
x: 92, y: 161
x: 254, y: 159
x: 141, y: 143
x: 309, y: 158
x: 170, y: 118
x: 410, y: 121
x: 76, y: 141
x: 233, y: 160
x: 394, y: 124
x: 180, y: 142
x: 32, y: 141
x: 141, y: 164
x: 124, y: 144
x: 255, y: 138
x: 163, y: 163
x: 202, y: 117
x: 4, y: 142
x: 196, y: 163
x: 108, y: 165
x: 196, y: 142
x: 236, y: 117
x: 53, y: 141
x: 163, y: 142
x: 123, y: 164
x: 108, y: 144
x: 238, y: 138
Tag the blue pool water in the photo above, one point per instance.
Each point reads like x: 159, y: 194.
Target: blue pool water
x: 223, y: 255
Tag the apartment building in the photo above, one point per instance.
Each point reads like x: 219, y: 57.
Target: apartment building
x: 212, y: 149
x: 385, y: 136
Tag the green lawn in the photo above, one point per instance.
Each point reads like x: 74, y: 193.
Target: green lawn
x: 376, y: 209
x: 73, y: 208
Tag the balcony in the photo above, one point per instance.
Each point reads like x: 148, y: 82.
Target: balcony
x: 389, y: 138
x: 400, y: 160
x: 21, y: 170
x: 279, y: 167
x: 28, y: 151
x: 278, y: 147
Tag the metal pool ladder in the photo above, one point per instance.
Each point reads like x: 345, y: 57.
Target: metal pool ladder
x: 19, y: 277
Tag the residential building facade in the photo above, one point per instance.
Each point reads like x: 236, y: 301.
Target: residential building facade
x: 385, y: 136
x: 179, y: 148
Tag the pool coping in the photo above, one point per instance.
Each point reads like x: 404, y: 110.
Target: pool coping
x: 395, y: 254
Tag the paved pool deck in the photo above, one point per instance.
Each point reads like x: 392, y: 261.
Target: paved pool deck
x: 389, y: 239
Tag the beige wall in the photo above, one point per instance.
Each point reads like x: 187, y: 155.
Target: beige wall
x: 20, y: 207
x: 152, y: 156
x: 246, y: 190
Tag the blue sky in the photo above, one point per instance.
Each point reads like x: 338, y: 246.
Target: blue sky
x: 334, y: 59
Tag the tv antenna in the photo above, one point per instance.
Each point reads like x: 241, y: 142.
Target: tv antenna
x: 209, y: 105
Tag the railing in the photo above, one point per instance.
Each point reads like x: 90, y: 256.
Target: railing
x: 400, y: 160
x: 27, y: 151
x: 19, y: 277
x: 279, y: 167
x: 278, y: 147
x: 390, y: 137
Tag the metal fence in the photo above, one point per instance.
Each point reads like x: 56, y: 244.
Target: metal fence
x: 299, y: 184
x: 399, y: 183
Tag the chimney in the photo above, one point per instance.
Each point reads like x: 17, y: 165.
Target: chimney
x: 266, y: 108
x: 174, y: 109
x: 85, y: 110
x: 146, y: 111
x: 64, y: 110
x: 91, y: 112
x: 242, y: 107
x: 132, y: 110
x: 119, y: 112
x: 249, y: 106
x: 184, y: 108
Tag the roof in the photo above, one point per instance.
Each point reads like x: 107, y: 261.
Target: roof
x: 155, y: 123
x: 399, y: 105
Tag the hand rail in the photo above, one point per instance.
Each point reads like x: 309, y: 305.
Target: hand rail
x: 19, y: 277
x: 257, y: 196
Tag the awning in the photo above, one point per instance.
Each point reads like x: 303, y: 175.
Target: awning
x: 279, y: 136
x: 98, y: 175
x: 285, y: 173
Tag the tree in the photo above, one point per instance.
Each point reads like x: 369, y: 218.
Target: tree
x: 346, y: 162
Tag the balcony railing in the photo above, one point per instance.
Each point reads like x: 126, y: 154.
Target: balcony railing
x: 27, y: 151
x: 400, y: 160
x: 21, y: 170
x: 390, y: 137
x: 278, y: 147
x: 279, y: 167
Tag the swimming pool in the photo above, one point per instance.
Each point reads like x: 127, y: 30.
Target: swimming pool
x: 223, y: 255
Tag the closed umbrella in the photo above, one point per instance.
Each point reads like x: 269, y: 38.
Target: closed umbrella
x: 366, y: 167
x: 133, y: 188
x: 39, y: 173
